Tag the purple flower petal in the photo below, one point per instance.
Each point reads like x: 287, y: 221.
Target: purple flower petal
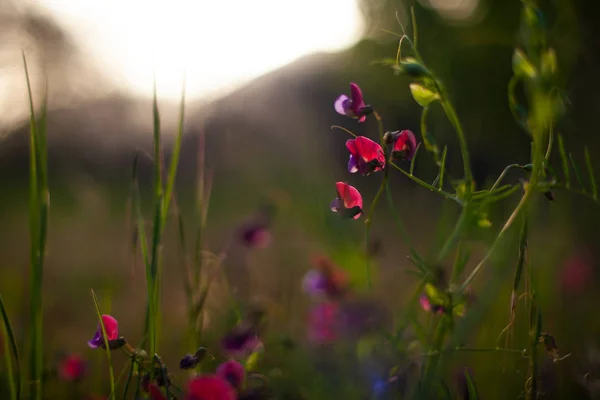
x: 352, y: 165
x: 341, y: 104
x: 336, y: 205
x: 96, y: 341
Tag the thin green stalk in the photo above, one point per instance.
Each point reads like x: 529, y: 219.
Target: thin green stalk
x: 38, y: 214
x: 456, y: 234
x: 473, y: 350
x: 427, y: 185
x: 129, y: 376
x: 106, y: 346
x: 511, y: 219
x: 10, y: 349
x: 462, y: 140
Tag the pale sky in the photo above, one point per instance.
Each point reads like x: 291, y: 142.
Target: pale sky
x: 220, y: 43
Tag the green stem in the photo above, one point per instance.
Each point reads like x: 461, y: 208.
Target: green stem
x: 462, y: 140
x: 511, y: 219
x: 473, y: 350
x: 428, y: 186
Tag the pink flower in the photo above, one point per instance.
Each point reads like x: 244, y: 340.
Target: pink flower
x: 353, y: 106
x: 348, y: 202
x: 405, y: 144
x: 577, y: 272
x: 233, y: 372
x: 366, y: 156
x: 210, y: 387
x: 71, y: 368
x: 325, y: 280
x: 323, y: 321
x: 112, y: 330
x: 155, y: 392
x: 427, y: 306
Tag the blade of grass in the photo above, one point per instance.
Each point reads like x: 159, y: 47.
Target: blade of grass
x: 565, y: 161
x: 10, y: 348
x: 175, y: 155
x: 106, y: 346
x: 592, y: 176
x: 443, y: 168
x: 38, y: 207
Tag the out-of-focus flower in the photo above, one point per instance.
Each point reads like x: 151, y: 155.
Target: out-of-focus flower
x: 112, y: 331
x: 405, y: 144
x: 348, y: 202
x: 189, y: 361
x: 256, y: 233
x: 210, y: 387
x: 353, y: 106
x: 323, y: 322
x: 241, y: 341
x: 366, y: 156
x: 233, y: 372
x: 576, y: 272
x: 326, y: 280
x: 363, y: 316
x: 429, y: 307
x: 155, y: 392
x: 71, y: 368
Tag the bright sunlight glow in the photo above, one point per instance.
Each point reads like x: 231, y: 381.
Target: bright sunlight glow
x: 219, y: 43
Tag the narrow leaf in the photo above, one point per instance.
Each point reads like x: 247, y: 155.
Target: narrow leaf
x: 472, y: 390
x: 442, y: 168
x: 16, y: 380
x: 592, y: 176
x: 565, y: 161
x: 412, y: 162
x: 106, y: 346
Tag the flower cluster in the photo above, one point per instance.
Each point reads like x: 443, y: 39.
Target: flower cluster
x: 366, y: 155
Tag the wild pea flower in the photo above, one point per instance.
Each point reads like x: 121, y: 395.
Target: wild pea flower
x: 348, y: 201
x: 241, y: 340
x: 256, y: 233
x: 189, y: 361
x: 576, y: 272
x: 210, y: 387
x: 233, y: 372
x: 429, y: 307
x: 325, y: 280
x: 112, y: 331
x: 353, y: 106
x: 404, y: 145
x: 323, y: 322
x: 71, y: 368
x: 366, y: 156
x: 155, y: 393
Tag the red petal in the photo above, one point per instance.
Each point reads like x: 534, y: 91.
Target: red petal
x: 369, y: 150
x: 357, y: 96
x: 111, y: 325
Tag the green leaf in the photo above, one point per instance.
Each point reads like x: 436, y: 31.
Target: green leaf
x: 592, y: 176
x: 434, y: 295
x: 459, y: 309
x: 548, y: 63
x: 252, y: 361
x: 564, y: 160
x: 522, y: 67
x: 14, y: 383
x: 422, y: 95
x: 473, y: 395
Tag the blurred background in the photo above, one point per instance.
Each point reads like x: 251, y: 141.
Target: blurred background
x: 261, y: 79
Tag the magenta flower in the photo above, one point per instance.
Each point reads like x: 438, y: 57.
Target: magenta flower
x: 112, y: 330
x: 326, y: 280
x: 353, y: 106
x: 577, y: 272
x: 323, y: 322
x: 366, y: 156
x: 155, y: 393
x: 405, y: 144
x: 256, y: 235
x: 348, y: 201
x: 427, y: 306
x: 241, y: 341
x: 210, y: 387
x: 233, y: 372
x: 72, y: 368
